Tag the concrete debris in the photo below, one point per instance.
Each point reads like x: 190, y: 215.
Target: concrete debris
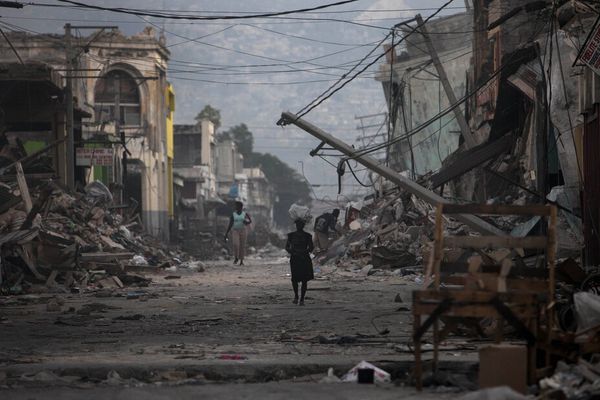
x: 575, y: 381
x: 77, y: 241
x: 388, y: 233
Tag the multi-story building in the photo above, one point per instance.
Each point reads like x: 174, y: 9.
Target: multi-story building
x: 120, y: 87
x: 415, y: 94
x: 194, y: 163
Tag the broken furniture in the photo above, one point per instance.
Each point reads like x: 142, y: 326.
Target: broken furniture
x: 487, y: 287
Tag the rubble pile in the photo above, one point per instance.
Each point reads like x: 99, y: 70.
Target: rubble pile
x: 75, y: 239
x: 575, y: 381
x: 396, y: 230
x: 390, y: 232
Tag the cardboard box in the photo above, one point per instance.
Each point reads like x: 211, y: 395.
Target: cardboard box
x: 503, y: 364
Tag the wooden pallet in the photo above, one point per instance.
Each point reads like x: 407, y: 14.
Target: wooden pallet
x: 484, y: 287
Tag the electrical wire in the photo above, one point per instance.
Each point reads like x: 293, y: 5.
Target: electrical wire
x: 356, y: 177
x: 14, y: 50
x: 203, y: 36
x: 259, y: 12
x: 314, y: 104
x: 257, y: 55
x: 450, y: 108
x: 169, y: 15
x: 325, y: 95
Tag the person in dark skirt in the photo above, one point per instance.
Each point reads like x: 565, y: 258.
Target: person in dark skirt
x: 300, y: 245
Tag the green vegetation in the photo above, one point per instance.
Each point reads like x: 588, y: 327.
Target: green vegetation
x: 211, y: 114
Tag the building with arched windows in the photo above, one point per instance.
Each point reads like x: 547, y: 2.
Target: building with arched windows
x: 123, y: 112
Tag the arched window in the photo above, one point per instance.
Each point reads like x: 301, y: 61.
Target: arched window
x: 105, y: 97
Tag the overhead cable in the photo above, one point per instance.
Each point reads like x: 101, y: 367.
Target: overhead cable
x: 171, y: 15
x: 313, y: 104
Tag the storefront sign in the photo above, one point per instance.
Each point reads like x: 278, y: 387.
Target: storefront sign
x: 591, y: 51
x: 85, y: 157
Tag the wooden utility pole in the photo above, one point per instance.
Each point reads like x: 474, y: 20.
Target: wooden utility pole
x: 70, y: 167
x: 388, y: 173
x: 70, y: 58
x: 460, y: 118
x: 121, y: 178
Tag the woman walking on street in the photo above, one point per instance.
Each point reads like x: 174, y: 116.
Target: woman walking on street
x: 300, y: 245
x: 238, y: 221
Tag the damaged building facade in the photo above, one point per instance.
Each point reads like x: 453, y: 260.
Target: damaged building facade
x: 212, y: 175
x: 416, y: 95
x: 518, y: 95
x: 194, y: 164
x: 122, y: 104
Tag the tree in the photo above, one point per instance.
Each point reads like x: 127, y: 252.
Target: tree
x: 211, y: 114
x: 242, y: 137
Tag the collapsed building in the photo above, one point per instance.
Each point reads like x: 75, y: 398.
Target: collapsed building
x: 123, y: 112
x: 502, y: 74
x: 491, y: 179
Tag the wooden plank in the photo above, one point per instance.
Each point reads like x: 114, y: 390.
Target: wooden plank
x: 491, y: 280
x: 31, y: 156
x: 516, y: 271
x: 438, y: 243
x: 106, y: 256
x: 498, y: 209
x: 24, y: 252
x: 471, y: 159
x: 475, y: 296
x: 23, y: 188
x: 551, y: 259
x: 496, y: 242
x: 44, y: 175
x: 472, y: 310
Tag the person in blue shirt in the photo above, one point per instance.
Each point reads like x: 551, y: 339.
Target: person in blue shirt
x: 238, y: 221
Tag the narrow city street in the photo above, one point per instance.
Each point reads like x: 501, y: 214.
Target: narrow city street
x: 228, y: 330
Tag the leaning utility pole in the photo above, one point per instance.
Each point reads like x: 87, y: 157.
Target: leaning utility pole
x: 412, y: 187
x: 460, y: 118
x: 70, y: 167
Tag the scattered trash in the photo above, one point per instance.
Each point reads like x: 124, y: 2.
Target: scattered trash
x: 365, y: 375
x: 380, y: 376
x: 139, y: 260
x: 232, y: 357
x: 97, y: 192
x: 134, y: 317
x: 330, y: 377
x: 575, y: 381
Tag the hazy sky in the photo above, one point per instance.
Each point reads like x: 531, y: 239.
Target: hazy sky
x: 254, y: 69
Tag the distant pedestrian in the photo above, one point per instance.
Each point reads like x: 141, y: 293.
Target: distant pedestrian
x: 323, y: 224
x: 238, y: 221
x: 299, y: 245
